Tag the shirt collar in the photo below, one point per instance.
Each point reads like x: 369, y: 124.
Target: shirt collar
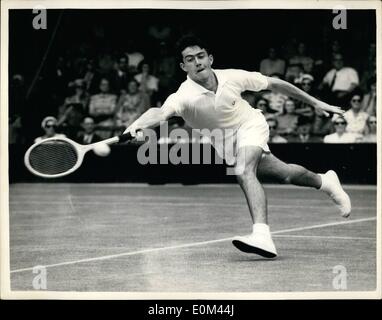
x: 200, y: 89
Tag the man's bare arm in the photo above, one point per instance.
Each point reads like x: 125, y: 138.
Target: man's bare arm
x: 150, y: 119
x: 292, y: 91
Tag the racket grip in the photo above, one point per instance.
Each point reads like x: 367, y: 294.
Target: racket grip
x: 125, y: 137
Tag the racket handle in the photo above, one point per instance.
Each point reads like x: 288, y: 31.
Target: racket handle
x: 125, y: 137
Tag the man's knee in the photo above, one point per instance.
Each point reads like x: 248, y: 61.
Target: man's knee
x: 293, y: 173
x: 245, y: 174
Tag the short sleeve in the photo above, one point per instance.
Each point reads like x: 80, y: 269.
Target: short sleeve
x: 247, y: 80
x: 173, y: 104
x: 353, y: 76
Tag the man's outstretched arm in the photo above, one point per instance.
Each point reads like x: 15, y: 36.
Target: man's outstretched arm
x: 150, y: 119
x: 292, y: 91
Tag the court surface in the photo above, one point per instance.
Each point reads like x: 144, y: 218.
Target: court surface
x: 175, y: 238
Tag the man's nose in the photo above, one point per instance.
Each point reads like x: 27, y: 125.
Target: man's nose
x: 197, y: 61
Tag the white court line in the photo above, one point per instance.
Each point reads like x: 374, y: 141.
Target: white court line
x: 321, y: 237
x: 187, y: 245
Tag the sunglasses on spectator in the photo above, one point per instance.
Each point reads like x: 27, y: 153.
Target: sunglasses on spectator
x: 356, y: 100
x: 50, y: 126
x: 372, y: 122
x: 340, y: 123
x: 306, y: 83
x: 272, y: 127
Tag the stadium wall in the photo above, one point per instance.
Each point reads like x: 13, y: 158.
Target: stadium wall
x: 355, y: 164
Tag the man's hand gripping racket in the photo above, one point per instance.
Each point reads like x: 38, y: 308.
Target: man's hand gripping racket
x: 57, y: 157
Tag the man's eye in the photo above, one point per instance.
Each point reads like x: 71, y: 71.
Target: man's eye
x: 189, y: 59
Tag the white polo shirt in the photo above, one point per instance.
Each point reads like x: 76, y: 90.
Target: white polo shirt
x: 203, y: 109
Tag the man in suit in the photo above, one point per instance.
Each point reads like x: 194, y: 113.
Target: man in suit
x: 87, y: 136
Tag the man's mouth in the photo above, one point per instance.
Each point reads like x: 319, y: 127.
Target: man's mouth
x: 200, y: 70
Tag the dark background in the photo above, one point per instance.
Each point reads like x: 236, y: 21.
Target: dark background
x: 238, y: 38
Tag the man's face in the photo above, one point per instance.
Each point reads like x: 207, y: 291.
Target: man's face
x: 197, y: 63
x: 88, y: 125
x: 340, y: 125
x: 338, y: 61
x: 104, y: 86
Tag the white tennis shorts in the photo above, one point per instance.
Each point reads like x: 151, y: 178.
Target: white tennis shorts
x: 253, y: 132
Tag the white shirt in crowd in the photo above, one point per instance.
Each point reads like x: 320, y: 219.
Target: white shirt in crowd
x: 346, y: 137
x: 356, y: 121
x: 345, y: 77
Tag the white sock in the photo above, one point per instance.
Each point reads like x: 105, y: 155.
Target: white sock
x: 260, y: 228
x: 324, y: 185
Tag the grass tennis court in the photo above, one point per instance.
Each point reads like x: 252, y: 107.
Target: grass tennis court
x: 162, y: 238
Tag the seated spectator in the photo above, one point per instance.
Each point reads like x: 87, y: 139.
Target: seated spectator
x: 276, y: 100
x: 87, y: 136
x: 272, y: 64
x: 370, y: 135
x: 120, y: 75
x: 274, y: 137
x: 304, y: 132
x: 355, y: 118
x: 341, y: 135
x: 263, y: 105
x: 70, y: 121
x: 164, y: 68
x: 339, y: 82
x: 293, y: 72
x: 305, y: 82
x: 102, y: 108
x: 131, y: 105
x: 369, y: 101
x: 49, y: 125
x: 80, y: 95
x: 287, y: 121
x: 322, y: 123
x: 147, y: 82
x: 301, y: 58
x: 134, y: 56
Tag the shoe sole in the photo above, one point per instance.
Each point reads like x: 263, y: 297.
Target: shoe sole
x: 250, y: 249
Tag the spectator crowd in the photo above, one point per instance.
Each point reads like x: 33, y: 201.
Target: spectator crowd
x: 99, y: 96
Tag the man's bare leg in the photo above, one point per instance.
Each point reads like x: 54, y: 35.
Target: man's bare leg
x: 298, y: 175
x: 260, y: 241
x: 248, y: 159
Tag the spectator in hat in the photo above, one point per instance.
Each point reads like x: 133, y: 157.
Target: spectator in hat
x: 49, y: 125
x: 341, y: 135
x: 276, y: 99
x: 306, y: 83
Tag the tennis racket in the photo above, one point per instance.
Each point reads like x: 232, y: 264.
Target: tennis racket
x: 57, y: 157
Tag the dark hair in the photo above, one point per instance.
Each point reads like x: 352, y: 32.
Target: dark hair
x: 189, y: 41
x: 140, y: 64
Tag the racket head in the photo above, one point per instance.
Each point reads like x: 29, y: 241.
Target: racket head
x: 54, y: 157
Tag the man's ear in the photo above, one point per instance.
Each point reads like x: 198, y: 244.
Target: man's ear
x: 182, y: 66
x: 211, y: 57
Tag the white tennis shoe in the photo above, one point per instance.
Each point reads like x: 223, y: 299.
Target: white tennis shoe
x: 332, y: 186
x: 258, y: 243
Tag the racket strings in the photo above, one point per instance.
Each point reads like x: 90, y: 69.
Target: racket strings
x: 53, y: 157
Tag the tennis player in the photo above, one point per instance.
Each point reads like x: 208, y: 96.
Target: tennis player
x: 211, y: 99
